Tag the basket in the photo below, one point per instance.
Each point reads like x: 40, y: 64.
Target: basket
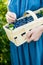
x: 17, y: 35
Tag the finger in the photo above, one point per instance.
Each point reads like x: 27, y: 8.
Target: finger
x: 9, y: 20
x: 34, y: 38
x: 28, y: 34
x: 29, y: 40
x: 28, y: 37
x: 12, y: 15
x: 7, y: 17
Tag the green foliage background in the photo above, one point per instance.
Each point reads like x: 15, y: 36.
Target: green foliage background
x: 4, y: 42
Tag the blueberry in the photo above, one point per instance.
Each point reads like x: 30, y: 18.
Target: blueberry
x: 25, y: 20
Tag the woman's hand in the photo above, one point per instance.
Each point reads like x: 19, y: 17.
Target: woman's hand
x: 34, y: 34
x: 10, y: 17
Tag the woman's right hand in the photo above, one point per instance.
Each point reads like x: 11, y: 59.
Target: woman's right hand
x: 10, y: 17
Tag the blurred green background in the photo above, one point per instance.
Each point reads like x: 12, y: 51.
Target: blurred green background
x: 4, y: 42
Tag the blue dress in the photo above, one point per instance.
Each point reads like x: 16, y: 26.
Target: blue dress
x: 26, y: 54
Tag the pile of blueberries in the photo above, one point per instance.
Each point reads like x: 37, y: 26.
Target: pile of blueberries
x: 23, y: 21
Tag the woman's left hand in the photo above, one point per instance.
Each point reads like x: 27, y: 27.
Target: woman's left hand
x: 34, y: 34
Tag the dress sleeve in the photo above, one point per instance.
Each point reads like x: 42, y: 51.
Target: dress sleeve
x: 42, y: 3
x: 35, y: 4
x: 12, y: 6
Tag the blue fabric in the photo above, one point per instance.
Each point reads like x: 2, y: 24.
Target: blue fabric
x: 26, y: 54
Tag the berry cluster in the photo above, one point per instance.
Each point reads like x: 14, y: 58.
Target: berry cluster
x: 23, y: 21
